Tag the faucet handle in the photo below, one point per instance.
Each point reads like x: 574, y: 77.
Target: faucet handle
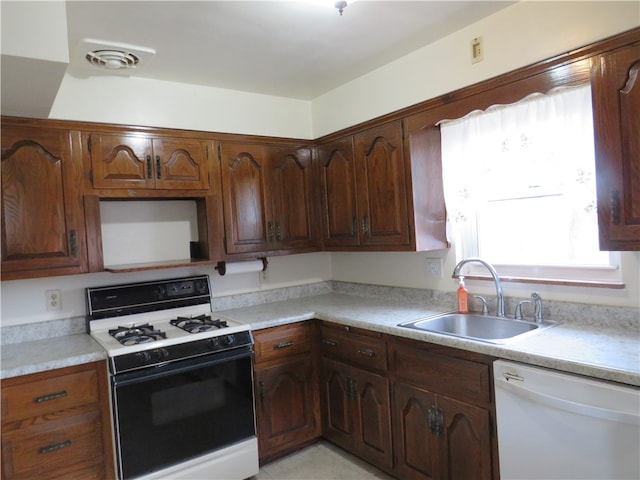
x: 537, y: 306
x: 518, y: 313
x: 485, y: 310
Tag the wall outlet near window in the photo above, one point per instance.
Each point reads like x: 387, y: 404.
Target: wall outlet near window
x: 434, y: 267
x: 54, y: 300
x: 477, y: 50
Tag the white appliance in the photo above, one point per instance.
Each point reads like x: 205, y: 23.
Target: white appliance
x: 181, y: 381
x: 557, y: 426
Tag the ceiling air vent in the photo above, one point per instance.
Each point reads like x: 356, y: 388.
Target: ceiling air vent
x: 112, y: 59
x: 112, y: 56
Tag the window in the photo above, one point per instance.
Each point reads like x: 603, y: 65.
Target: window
x: 520, y: 188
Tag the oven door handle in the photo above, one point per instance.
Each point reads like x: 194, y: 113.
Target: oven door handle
x: 181, y: 366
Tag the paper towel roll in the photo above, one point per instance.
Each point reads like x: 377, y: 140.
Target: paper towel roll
x: 252, y: 266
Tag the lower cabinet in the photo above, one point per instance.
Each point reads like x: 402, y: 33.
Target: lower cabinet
x: 442, y: 413
x: 56, y: 424
x: 356, y: 411
x: 287, y: 402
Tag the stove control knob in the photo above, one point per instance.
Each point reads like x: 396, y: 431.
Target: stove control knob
x: 145, y: 356
x: 162, y: 353
x: 227, y: 340
x: 215, y: 343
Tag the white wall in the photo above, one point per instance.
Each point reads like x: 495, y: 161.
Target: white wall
x: 513, y: 37
x: 23, y: 301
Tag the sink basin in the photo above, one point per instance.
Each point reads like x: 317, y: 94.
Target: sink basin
x: 479, y: 327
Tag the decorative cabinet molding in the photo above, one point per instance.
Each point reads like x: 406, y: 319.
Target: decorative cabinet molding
x: 42, y: 215
x: 268, y: 199
x: 132, y: 161
x: 378, y: 195
x: 615, y: 83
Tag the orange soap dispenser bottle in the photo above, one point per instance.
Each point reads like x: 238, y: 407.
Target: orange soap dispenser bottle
x: 463, y: 294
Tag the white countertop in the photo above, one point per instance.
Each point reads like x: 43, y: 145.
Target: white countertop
x: 609, y: 354
x: 595, y: 351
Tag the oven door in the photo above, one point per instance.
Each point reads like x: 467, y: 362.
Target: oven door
x: 171, y: 413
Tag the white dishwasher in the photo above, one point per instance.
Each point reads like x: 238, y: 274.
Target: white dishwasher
x: 557, y: 426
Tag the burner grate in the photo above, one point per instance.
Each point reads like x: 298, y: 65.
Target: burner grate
x: 198, y: 324
x: 137, y: 334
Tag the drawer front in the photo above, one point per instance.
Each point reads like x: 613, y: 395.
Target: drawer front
x: 455, y: 377
x: 47, y: 395
x: 357, y: 349
x: 54, y: 449
x: 283, y: 341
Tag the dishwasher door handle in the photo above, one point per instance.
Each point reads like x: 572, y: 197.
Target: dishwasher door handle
x: 520, y: 388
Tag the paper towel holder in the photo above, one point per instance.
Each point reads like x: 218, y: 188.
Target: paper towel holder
x: 221, y: 267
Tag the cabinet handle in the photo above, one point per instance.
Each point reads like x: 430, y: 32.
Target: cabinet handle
x: 54, y: 446
x: 73, y: 242
x: 330, y: 341
x: 367, y: 351
x: 285, y: 344
x: 354, y: 226
x: 615, y: 207
x: 278, y: 231
x: 270, y: 231
x: 365, y: 225
x: 352, y: 388
x: 435, y: 420
x: 50, y: 396
x: 158, y: 171
x: 148, y: 166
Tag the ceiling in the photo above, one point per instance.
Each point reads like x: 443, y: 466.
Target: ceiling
x: 293, y: 49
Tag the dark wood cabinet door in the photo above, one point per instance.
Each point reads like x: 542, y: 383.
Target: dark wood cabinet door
x: 373, y: 417
x: 180, y: 164
x: 337, y: 396
x: 290, y: 190
x: 340, y: 222
x: 416, y: 447
x: 615, y: 80
x: 466, y: 441
x: 244, y: 201
x: 286, y: 403
x: 382, y: 189
x: 121, y: 161
x: 42, y: 215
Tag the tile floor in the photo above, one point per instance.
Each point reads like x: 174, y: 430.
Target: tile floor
x: 321, y: 461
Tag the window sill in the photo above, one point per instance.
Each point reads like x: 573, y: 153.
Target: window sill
x: 550, y: 281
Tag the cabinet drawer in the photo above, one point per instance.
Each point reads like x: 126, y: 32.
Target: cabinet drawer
x: 46, y: 395
x: 448, y: 375
x: 55, y: 448
x: 365, y: 350
x: 283, y: 341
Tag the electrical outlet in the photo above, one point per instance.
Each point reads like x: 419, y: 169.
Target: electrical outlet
x: 477, y: 50
x: 434, y: 267
x: 54, y: 300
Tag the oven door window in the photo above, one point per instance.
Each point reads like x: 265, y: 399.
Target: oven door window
x: 172, y: 413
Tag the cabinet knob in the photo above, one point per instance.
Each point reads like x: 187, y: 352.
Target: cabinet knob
x: 148, y: 166
x: 158, y: 171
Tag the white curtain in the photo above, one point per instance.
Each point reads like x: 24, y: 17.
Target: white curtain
x: 524, y: 166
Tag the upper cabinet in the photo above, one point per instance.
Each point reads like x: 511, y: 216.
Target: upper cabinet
x: 140, y: 161
x: 372, y: 192
x: 268, y: 199
x: 615, y: 82
x: 42, y: 213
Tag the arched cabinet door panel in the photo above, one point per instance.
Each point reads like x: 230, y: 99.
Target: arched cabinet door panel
x: 42, y: 214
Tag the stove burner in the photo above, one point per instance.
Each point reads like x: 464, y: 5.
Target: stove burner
x: 197, y: 324
x: 137, y: 334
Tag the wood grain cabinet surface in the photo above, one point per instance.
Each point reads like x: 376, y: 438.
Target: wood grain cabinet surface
x: 268, y: 199
x: 56, y: 424
x: 442, y: 414
x: 615, y: 87
x: 42, y: 213
x: 355, y: 393
x: 139, y: 161
x: 286, y: 384
x: 372, y: 192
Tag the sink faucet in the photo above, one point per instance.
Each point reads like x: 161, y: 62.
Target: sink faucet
x: 494, y: 274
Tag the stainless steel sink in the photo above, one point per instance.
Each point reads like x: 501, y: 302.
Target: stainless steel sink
x: 479, y: 327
